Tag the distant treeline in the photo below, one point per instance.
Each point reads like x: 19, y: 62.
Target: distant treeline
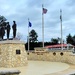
x: 33, y: 45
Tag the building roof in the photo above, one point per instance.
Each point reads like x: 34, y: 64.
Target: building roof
x: 58, y: 45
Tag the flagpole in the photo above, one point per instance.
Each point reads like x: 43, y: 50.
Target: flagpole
x: 28, y: 35
x: 42, y: 27
x: 61, y: 29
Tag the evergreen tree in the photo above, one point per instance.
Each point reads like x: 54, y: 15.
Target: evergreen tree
x: 33, y: 36
x: 69, y: 39
x: 54, y: 40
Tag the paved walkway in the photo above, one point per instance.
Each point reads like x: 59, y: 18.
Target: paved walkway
x: 45, y: 68
x: 70, y: 70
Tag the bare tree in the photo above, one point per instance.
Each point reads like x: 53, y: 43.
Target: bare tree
x: 19, y: 35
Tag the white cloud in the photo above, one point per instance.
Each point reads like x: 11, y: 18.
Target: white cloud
x: 21, y: 10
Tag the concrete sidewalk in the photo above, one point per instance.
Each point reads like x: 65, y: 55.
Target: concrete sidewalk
x: 43, y: 68
x: 70, y: 70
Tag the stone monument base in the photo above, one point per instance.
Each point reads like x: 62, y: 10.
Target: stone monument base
x: 12, y: 53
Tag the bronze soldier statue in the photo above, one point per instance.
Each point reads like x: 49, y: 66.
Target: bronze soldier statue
x: 2, y: 29
x: 8, y: 30
x: 14, y: 29
x: 2, y: 32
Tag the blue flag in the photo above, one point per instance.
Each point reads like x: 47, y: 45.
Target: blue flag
x: 30, y: 24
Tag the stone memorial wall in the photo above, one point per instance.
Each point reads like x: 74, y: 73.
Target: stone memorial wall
x: 12, y: 53
x: 66, y: 56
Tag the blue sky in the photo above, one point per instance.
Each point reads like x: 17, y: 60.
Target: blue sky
x: 21, y: 10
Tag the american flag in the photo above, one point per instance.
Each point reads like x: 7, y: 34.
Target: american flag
x: 44, y: 11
